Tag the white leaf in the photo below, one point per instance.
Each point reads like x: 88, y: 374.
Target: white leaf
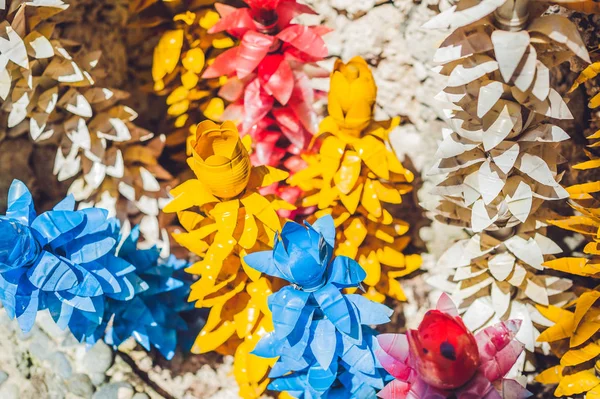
x: 489, y: 94
x: 480, y: 219
x: 519, y: 204
x: 462, y: 43
x: 12, y: 47
x: 471, y: 11
x: 69, y: 166
x: 478, y: 313
x: 127, y: 191
x: 96, y: 175
x: 149, y: 182
x: 40, y: 46
x: 117, y: 169
x: 490, y: 182
x: 518, y: 275
x: 454, y: 145
x: 536, y: 168
x: 18, y: 111
x: 526, y: 250
x: 541, y: 84
x: 554, y: 107
x: 147, y: 205
x: 500, y: 294
x: 545, y: 133
x: 78, y: 133
x: 563, y: 31
x: 470, y: 188
x: 505, y: 155
x: 546, y: 245
x: 5, y: 83
x: 471, y: 69
x: 527, y: 72
x: 501, y: 265
x: 509, y: 48
x: 500, y: 122
x: 526, y: 334
x: 536, y: 290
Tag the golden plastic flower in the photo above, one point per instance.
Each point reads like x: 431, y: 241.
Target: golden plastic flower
x: 180, y: 57
x: 352, y: 94
x: 589, y: 73
x: 356, y: 178
x: 225, y: 218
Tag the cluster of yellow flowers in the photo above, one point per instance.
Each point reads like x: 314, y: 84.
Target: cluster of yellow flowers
x: 225, y: 218
x: 355, y: 177
x: 180, y: 57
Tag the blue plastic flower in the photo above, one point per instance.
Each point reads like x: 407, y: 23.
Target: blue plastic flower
x: 62, y: 260
x: 154, y: 316
x: 321, y: 336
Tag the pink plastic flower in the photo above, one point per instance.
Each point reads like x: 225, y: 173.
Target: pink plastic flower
x: 443, y: 359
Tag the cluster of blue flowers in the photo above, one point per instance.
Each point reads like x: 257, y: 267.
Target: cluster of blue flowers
x: 65, y: 260
x: 321, y: 338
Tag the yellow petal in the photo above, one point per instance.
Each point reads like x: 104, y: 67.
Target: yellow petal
x: 214, y: 109
x: 553, y: 375
x: 263, y: 176
x: 387, y: 193
x: 351, y: 201
x: 253, y: 274
x: 369, y: 199
x: 193, y: 60
x: 374, y: 154
x: 374, y: 295
x: 188, y: 194
x: 189, y: 80
x: 209, y: 19
x: 390, y: 257
x: 591, y: 164
x: 577, y: 383
x: 260, y: 207
x: 209, y: 341
x: 372, y: 267
x: 331, y: 152
x: 395, y: 290
x: 568, y: 265
x: 581, y: 355
x: 226, y: 217
x: 166, y: 54
x: 250, y: 233
x: 584, y: 303
x: 347, y: 176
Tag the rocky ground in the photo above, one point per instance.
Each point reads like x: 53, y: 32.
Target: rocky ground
x: 47, y: 363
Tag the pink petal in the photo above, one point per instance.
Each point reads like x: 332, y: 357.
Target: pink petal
x: 422, y: 390
x: 498, y: 348
x: 305, y: 39
x: 290, y: 126
x: 511, y: 389
x: 302, y: 102
x: 393, y: 354
x: 478, y: 387
x: 232, y: 90
x: 253, y: 49
x: 446, y: 305
x: 280, y: 83
x: 288, y: 9
x: 236, y: 21
x: 394, y: 390
x: 223, y: 65
x: 257, y: 105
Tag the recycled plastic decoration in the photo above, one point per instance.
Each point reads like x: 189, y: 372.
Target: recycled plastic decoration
x: 181, y: 55
x: 500, y: 161
x: 229, y: 219
x: 355, y: 177
x: 267, y: 81
x: 62, y: 260
x: 50, y: 91
x: 321, y: 335
x: 153, y: 317
x: 443, y: 359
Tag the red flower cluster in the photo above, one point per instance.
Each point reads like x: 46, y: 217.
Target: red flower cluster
x: 268, y: 76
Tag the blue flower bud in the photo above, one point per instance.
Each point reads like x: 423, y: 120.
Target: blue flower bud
x: 18, y: 248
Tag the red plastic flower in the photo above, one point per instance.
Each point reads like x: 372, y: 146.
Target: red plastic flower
x: 443, y: 359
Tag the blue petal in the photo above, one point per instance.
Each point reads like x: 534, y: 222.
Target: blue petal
x: 20, y: 203
x: 67, y: 204
x: 53, y: 224
x: 321, y: 379
x: 287, y: 305
x: 264, y: 263
x: 293, y: 383
x: 358, y: 358
x: 324, y: 342
x: 370, y: 313
x: 52, y: 274
x: 345, y: 272
x: 332, y: 302
x: 268, y: 346
x: 326, y: 227
x: 89, y: 248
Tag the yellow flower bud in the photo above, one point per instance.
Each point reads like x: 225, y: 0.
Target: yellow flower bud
x: 220, y: 160
x: 352, y: 94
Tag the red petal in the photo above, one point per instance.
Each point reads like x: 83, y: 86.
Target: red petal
x: 253, y: 49
x: 306, y: 39
x: 279, y: 83
x: 290, y: 126
x: 236, y: 21
x: 257, y: 105
x: 302, y: 103
x: 288, y: 9
x: 224, y: 64
x: 232, y: 90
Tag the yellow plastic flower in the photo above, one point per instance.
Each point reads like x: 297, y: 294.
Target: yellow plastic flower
x: 352, y: 94
x: 355, y: 177
x: 180, y: 57
x: 225, y: 218
x: 589, y: 73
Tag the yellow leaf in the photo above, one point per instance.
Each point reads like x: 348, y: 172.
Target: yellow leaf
x: 372, y: 267
x: 369, y: 199
x: 387, y: 193
x: 577, y: 383
x: 395, y: 290
x: 260, y: 207
x: 568, y: 265
x: 591, y: 164
x: 374, y: 154
x: 584, y: 303
x: 250, y: 233
x: 588, y: 73
x: 351, y: 201
x: 331, y: 152
x: 581, y: 355
x: 563, y: 328
x: 390, y: 257
x: 209, y: 341
x: 263, y: 176
x: 553, y: 375
x: 595, y: 101
x: 188, y: 194
x: 226, y: 217
x: 346, y: 177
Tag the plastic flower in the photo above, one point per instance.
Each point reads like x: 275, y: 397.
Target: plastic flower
x: 321, y: 338
x: 355, y: 177
x: 229, y: 219
x: 443, y: 359
x: 499, y: 160
x: 61, y: 260
x: 152, y: 317
x: 181, y: 55
x: 50, y: 92
x: 589, y: 73
x: 268, y: 76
